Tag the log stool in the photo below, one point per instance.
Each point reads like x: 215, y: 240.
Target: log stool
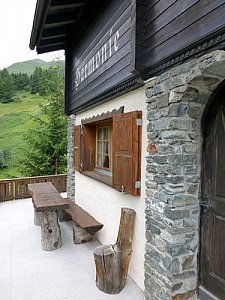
x: 112, y: 261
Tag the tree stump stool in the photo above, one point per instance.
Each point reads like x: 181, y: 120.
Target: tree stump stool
x: 112, y: 261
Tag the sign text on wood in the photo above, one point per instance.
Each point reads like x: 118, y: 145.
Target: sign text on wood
x: 88, y: 67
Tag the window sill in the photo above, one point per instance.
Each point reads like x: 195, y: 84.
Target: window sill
x: 100, y: 177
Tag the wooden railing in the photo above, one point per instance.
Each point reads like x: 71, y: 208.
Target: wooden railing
x: 11, y: 189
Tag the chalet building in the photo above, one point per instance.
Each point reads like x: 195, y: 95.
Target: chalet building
x: 145, y: 97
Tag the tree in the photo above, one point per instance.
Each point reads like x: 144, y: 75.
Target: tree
x: 36, y: 80
x: 21, y: 81
x: 48, y: 139
x: 5, y: 156
x: 7, y: 89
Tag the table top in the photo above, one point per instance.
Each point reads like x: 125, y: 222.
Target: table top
x: 46, y: 197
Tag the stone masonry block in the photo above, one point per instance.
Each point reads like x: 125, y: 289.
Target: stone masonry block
x: 183, y: 200
x: 176, y: 214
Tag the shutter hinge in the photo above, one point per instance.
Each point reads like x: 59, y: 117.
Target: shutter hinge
x: 137, y: 184
x: 139, y: 122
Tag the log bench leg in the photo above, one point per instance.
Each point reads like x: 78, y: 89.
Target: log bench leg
x: 50, y: 231
x: 81, y: 236
x: 37, y: 218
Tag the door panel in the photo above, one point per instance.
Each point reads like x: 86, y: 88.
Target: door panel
x: 212, y: 255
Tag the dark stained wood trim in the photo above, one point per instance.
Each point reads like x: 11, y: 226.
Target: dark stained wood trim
x: 211, y: 42
x: 50, y: 48
x: 80, y: 28
x: 167, y: 28
x: 120, y: 89
x: 100, y: 177
x: 103, y: 116
x: 162, y: 7
x: 138, y: 20
x: 133, y: 35
x: 59, y: 6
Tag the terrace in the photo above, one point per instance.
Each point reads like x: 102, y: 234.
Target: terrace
x: 29, y: 273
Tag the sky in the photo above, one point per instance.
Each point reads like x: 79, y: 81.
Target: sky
x: 16, y: 20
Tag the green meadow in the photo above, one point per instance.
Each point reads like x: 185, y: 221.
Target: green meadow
x: 15, y: 121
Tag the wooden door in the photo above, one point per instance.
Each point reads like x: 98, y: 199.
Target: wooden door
x: 212, y: 255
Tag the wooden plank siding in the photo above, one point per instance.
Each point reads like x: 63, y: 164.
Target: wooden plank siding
x: 115, y: 70
x: 113, y: 46
x: 12, y: 189
x: 176, y: 26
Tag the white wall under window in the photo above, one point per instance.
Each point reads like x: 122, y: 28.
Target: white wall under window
x: 104, y: 202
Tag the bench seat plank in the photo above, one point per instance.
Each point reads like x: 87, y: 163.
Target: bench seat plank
x: 82, y: 218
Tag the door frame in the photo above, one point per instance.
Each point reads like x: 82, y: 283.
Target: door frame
x: 209, y: 111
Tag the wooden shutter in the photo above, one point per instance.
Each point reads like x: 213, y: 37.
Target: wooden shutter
x: 77, y: 148
x: 126, y: 152
x: 88, y: 147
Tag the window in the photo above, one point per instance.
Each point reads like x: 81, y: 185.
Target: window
x: 109, y: 150
x: 103, y: 146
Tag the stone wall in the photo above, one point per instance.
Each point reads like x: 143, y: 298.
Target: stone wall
x: 175, y: 103
x: 70, y: 158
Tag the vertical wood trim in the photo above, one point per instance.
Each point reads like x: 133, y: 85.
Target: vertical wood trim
x: 77, y: 147
x: 88, y: 147
x: 126, y: 152
x: 138, y: 37
x: 133, y: 35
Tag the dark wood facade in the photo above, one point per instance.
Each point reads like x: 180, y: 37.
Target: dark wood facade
x: 179, y: 30
x: 112, y: 46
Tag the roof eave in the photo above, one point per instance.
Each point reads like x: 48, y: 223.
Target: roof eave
x: 39, y: 19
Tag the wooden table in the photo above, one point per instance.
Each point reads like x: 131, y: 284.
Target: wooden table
x: 47, y: 201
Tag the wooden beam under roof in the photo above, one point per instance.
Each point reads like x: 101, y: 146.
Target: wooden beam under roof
x: 51, y: 45
x: 60, y: 6
x: 58, y: 24
x: 53, y: 41
x: 53, y: 36
x: 53, y: 32
x: 59, y: 18
x: 50, y: 48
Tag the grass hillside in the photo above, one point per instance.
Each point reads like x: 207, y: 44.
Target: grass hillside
x: 29, y: 66
x: 15, y: 120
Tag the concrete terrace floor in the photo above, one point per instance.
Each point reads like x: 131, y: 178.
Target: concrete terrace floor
x: 29, y: 273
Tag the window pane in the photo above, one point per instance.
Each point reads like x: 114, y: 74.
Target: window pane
x: 106, y: 148
x: 103, y: 147
x: 99, y: 134
x: 106, y: 133
x: 106, y: 161
x: 99, y: 149
x: 99, y: 160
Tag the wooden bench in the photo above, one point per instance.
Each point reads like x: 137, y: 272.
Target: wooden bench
x: 85, y: 226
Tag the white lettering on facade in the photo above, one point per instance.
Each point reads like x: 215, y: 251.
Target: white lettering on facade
x: 98, y: 59
x: 116, y: 39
